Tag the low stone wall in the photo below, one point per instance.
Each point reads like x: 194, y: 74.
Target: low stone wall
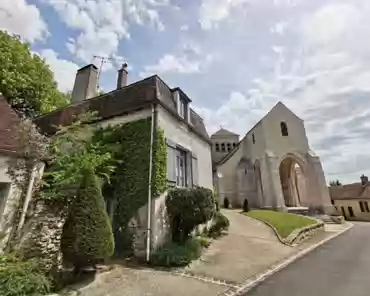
x: 302, y: 234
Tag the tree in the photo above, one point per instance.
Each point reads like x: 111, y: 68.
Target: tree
x: 335, y: 183
x: 87, y: 235
x: 26, y: 80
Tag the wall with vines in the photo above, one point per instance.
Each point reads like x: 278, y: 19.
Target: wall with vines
x: 128, y: 188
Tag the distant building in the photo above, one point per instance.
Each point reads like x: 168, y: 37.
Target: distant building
x: 352, y: 200
x: 272, y: 167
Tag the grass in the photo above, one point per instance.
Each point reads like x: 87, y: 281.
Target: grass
x: 284, y: 223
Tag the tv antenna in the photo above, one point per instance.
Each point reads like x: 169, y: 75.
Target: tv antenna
x: 103, y: 60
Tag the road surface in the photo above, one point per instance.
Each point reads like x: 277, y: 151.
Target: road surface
x: 339, y: 268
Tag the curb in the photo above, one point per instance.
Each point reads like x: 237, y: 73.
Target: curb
x: 259, y: 278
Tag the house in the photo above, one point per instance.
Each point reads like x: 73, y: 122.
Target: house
x: 352, y: 200
x: 10, y: 193
x: 189, y: 160
x: 272, y: 167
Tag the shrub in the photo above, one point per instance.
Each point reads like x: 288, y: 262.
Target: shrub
x: 226, y: 203
x: 220, y: 223
x: 188, y: 208
x: 21, y: 278
x: 176, y: 254
x: 204, y: 241
x: 87, y: 235
x: 245, y: 205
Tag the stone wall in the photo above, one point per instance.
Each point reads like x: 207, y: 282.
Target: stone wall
x: 41, y: 235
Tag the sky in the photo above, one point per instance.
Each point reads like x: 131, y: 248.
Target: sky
x: 235, y: 58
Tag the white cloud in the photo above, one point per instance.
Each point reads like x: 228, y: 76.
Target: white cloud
x: 212, y: 12
x: 64, y: 71
x: 280, y: 27
x: 331, y: 23
x: 19, y: 17
x: 101, y: 25
x: 172, y: 64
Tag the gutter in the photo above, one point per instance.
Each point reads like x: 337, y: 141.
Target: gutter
x: 149, y: 230
x: 38, y: 168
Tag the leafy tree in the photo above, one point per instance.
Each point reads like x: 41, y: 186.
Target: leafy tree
x: 87, y: 235
x: 188, y: 208
x: 335, y: 183
x: 26, y: 80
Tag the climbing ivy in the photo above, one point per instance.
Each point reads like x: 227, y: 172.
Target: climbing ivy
x: 128, y: 187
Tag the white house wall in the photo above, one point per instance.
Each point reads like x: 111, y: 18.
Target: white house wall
x: 179, y: 133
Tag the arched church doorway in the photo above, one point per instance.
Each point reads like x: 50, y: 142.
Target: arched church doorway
x: 293, y: 182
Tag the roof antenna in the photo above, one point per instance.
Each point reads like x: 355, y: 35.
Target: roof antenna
x: 103, y: 60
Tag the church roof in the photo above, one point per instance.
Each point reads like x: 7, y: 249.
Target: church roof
x: 224, y: 132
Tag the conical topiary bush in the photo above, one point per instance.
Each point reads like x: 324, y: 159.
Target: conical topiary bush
x: 87, y: 235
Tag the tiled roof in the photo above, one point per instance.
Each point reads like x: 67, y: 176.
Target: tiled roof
x: 350, y: 191
x: 9, y: 122
x: 131, y: 98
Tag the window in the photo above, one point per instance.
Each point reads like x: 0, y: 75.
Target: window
x: 223, y: 147
x: 253, y: 139
x: 228, y: 147
x: 4, y: 191
x: 362, y: 207
x: 181, y: 168
x: 343, y: 212
x: 182, y: 109
x: 284, y: 129
x: 194, y: 170
x: 217, y: 147
x: 366, y: 206
x: 234, y: 145
x: 350, y: 211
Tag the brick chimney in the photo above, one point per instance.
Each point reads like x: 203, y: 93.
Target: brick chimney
x: 122, y: 76
x: 85, y: 86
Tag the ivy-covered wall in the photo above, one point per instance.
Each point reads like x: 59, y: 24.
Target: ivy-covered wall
x: 128, y: 189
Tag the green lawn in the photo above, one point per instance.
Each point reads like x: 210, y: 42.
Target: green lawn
x: 284, y: 223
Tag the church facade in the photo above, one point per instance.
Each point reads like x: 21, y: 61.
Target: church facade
x: 272, y: 167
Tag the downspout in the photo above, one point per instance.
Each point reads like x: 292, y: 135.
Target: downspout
x: 29, y: 193
x: 149, y: 234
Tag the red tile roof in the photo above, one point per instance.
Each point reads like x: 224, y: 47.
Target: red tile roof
x: 9, y: 120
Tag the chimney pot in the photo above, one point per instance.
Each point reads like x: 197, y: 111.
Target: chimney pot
x: 86, y: 82
x: 122, y: 76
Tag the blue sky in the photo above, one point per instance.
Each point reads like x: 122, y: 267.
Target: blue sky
x: 234, y: 58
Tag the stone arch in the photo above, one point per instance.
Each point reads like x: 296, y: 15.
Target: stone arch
x: 293, y: 179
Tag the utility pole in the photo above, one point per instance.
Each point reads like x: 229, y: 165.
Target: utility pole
x: 103, y: 60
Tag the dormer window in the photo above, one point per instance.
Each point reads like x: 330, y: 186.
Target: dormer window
x: 182, y: 109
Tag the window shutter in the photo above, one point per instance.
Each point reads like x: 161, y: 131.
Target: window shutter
x: 171, y: 161
x: 194, y: 167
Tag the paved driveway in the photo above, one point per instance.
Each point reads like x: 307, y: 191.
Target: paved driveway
x: 338, y: 268
x: 249, y: 248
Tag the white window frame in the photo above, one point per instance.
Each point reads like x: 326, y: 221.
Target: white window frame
x: 181, y: 166
x: 181, y: 108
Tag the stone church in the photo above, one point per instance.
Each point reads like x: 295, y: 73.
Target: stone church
x: 272, y: 166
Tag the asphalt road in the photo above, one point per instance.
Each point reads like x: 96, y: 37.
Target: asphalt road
x: 339, y: 268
